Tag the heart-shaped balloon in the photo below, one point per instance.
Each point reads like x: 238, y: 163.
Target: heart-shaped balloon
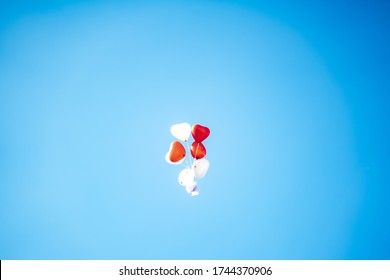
x: 186, y: 177
x: 200, y: 133
x: 200, y: 167
x: 198, y: 150
x: 181, y: 131
x: 176, y: 153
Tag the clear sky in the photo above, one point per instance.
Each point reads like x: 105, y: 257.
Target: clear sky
x: 296, y: 94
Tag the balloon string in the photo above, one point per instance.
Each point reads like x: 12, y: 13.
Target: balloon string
x: 189, y: 152
x: 188, y: 166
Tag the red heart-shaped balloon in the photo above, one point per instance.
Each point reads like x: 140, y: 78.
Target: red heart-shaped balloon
x: 177, y: 151
x: 200, y: 133
x: 198, y: 150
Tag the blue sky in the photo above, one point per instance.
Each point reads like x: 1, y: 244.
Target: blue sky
x: 296, y: 96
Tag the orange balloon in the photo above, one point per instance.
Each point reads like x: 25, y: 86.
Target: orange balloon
x: 177, y: 152
x: 198, y: 150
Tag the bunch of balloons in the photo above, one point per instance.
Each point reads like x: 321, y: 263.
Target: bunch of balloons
x: 197, y: 166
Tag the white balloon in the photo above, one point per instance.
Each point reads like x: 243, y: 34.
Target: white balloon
x: 181, y: 131
x: 200, y: 167
x: 171, y: 162
x: 186, y: 177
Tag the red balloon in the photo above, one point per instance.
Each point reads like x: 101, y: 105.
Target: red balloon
x: 198, y: 150
x: 200, y: 133
x: 177, y: 152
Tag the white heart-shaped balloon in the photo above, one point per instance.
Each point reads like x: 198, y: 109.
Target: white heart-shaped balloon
x: 181, y: 131
x: 186, y: 177
x: 200, y: 167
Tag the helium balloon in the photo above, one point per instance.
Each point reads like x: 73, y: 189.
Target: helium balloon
x: 198, y: 150
x: 176, y: 153
x: 200, y: 167
x: 200, y: 133
x: 186, y: 177
x: 181, y: 131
